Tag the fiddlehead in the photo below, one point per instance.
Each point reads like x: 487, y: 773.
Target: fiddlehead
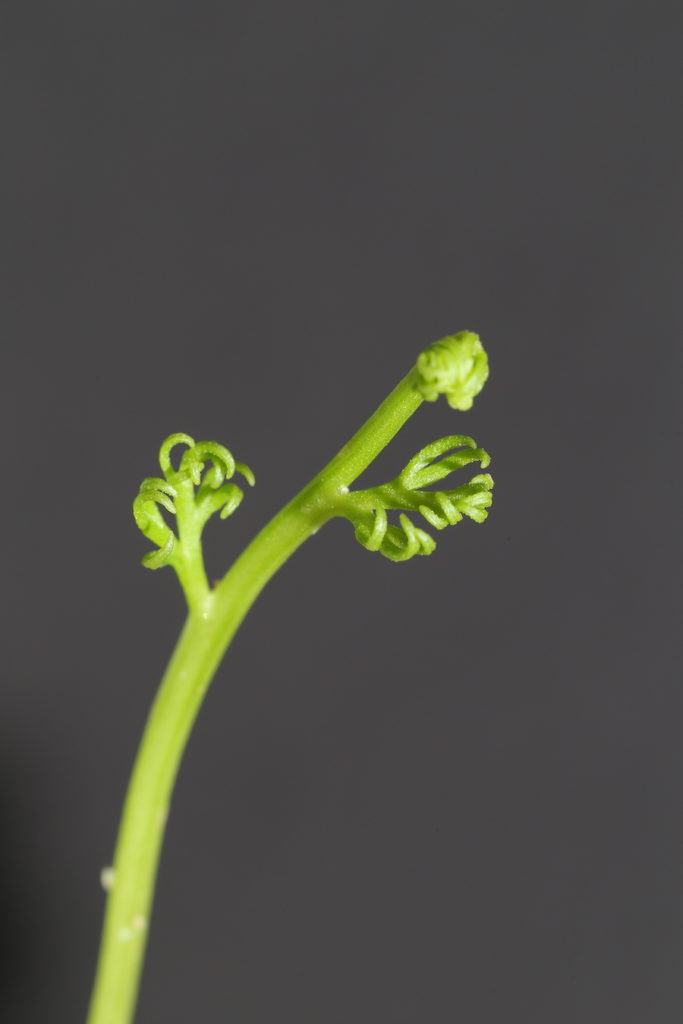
x: 456, y: 366
x: 367, y: 509
x: 199, y: 487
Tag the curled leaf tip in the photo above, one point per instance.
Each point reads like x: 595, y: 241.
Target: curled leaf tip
x: 397, y: 543
x: 166, y: 448
x: 456, y: 366
x: 156, y: 559
x: 247, y: 473
x: 221, y: 463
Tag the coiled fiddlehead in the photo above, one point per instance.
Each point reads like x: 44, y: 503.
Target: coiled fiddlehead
x: 199, y: 487
x: 367, y: 510
x: 456, y: 366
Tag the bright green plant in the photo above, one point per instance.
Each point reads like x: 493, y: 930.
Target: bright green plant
x: 201, y: 485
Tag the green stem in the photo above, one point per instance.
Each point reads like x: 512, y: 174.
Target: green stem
x: 190, y: 556
x: 213, y: 620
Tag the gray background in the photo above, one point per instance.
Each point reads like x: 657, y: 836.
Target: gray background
x: 445, y: 790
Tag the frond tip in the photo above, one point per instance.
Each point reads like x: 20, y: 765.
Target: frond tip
x: 456, y: 366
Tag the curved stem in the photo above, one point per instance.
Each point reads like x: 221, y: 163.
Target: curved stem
x: 213, y: 620
x: 207, y: 633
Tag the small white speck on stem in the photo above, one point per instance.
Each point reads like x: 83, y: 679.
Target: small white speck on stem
x: 138, y: 924
x: 107, y: 876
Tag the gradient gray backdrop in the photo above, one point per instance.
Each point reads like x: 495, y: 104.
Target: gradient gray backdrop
x: 443, y: 791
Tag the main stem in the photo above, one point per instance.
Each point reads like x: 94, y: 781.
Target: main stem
x: 209, y: 628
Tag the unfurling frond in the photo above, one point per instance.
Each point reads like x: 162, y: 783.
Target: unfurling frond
x: 367, y: 509
x: 193, y: 493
